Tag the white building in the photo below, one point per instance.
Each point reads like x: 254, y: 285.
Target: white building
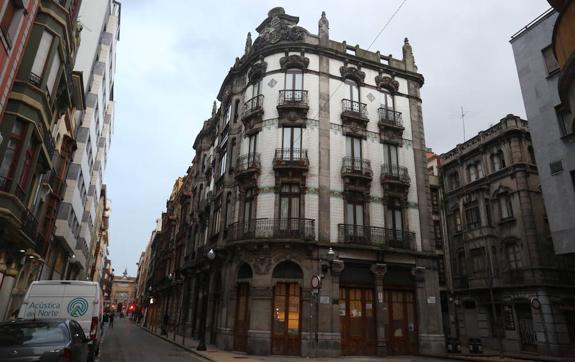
x: 77, y: 217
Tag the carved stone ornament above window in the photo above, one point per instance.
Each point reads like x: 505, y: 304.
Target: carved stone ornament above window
x: 384, y: 81
x: 257, y: 72
x: 352, y: 73
x: 294, y: 61
x: 278, y: 30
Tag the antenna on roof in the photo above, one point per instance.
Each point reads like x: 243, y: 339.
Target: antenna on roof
x: 463, y: 122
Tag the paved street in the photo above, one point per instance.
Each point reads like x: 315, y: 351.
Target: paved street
x: 127, y: 342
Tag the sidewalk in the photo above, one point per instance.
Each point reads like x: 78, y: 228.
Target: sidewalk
x: 216, y: 355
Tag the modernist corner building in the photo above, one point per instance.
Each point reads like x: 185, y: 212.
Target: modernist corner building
x: 313, y: 166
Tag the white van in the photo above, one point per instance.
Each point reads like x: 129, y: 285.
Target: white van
x: 78, y: 300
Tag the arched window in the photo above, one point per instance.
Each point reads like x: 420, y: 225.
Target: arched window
x: 245, y: 272
x: 497, y: 160
x: 513, y: 252
x: 505, y: 206
x: 287, y: 270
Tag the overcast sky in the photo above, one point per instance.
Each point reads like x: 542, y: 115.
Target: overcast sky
x: 173, y: 56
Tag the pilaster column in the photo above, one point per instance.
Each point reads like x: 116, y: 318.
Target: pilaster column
x: 379, y: 271
x: 430, y: 325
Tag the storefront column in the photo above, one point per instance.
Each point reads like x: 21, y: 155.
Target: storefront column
x: 431, y: 339
x: 379, y: 271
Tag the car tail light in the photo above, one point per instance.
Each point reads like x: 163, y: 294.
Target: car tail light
x: 65, y: 355
x: 93, y: 328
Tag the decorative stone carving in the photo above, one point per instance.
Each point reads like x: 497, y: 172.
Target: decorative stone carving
x: 352, y: 73
x: 337, y: 267
x: 257, y: 71
x: 262, y: 265
x: 379, y: 270
x: 294, y: 61
x: 277, y: 31
x: 248, y: 43
x: 418, y: 273
x: 385, y: 81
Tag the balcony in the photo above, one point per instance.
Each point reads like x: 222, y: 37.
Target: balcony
x: 248, y: 167
x: 299, y: 229
x: 376, y: 236
x: 291, y: 158
x: 356, y: 174
x: 6, y: 186
x: 354, y: 118
x: 56, y: 184
x: 390, y: 126
x: 49, y: 144
x: 390, y: 118
x: 252, y: 113
x: 395, y: 174
x: 30, y: 225
x: 292, y: 105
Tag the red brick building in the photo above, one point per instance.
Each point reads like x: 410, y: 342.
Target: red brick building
x: 16, y: 18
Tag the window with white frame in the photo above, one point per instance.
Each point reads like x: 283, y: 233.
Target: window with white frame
x: 39, y: 63
x: 53, y: 73
x: 505, y: 206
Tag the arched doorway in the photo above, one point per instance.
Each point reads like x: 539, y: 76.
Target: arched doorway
x: 357, y: 311
x: 286, y: 309
x: 242, y: 320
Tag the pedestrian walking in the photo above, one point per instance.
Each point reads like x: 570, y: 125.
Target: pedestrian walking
x: 111, y: 324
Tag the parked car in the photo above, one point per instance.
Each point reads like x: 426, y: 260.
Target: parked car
x: 46, y: 340
x: 68, y: 299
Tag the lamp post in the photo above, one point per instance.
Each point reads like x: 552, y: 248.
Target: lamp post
x: 205, y: 292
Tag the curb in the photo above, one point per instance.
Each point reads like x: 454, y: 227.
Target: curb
x: 191, y: 350
x: 488, y: 357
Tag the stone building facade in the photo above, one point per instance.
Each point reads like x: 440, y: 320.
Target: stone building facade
x: 309, y: 185
x: 551, y: 121
x: 123, y: 293
x: 509, y: 288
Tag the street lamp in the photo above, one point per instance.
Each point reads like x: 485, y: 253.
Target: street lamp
x: 205, y: 291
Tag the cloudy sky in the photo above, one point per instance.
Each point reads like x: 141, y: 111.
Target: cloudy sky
x: 173, y: 56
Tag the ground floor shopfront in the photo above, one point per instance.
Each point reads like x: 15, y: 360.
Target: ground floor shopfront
x: 535, y: 320
x: 261, y: 300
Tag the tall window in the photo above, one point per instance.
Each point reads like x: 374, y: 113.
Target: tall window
x: 293, y: 85
x: 227, y: 115
x: 457, y: 220
x: 461, y: 263
x: 217, y: 216
x: 256, y: 88
x: 478, y: 260
x: 249, y: 208
x: 289, y: 212
x: 391, y: 159
x: 41, y: 56
x: 387, y: 101
x: 236, y: 109
x: 394, y: 218
x: 354, y: 218
x: 474, y: 172
x: 453, y: 180
x: 497, y: 160
x: 514, y: 256
x: 291, y: 143
x: 53, y: 74
x: 11, y: 19
x: 223, y: 164
x: 27, y: 169
x: 252, y: 147
x: 505, y: 206
x: 472, y: 216
x: 352, y: 90
x: 15, y: 140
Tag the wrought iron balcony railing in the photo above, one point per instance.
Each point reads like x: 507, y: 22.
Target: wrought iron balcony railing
x: 292, y: 97
x: 390, y: 117
x: 295, y: 228
x: 253, y: 105
x: 376, y: 236
x: 248, y: 162
x: 356, y: 166
x: 30, y: 225
x: 354, y: 107
x: 50, y: 144
x: 395, y: 173
x: 291, y: 157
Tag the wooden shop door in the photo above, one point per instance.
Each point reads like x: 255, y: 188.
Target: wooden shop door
x: 286, y: 319
x: 357, y: 321
x: 242, y: 323
x: 401, y: 331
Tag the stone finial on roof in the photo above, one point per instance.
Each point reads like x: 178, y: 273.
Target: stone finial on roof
x: 248, y: 43
x: 408, y: 57
x: 214, y: 109
x: 323, y: 25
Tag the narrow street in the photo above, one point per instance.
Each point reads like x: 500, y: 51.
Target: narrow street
x: 127, y: 342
